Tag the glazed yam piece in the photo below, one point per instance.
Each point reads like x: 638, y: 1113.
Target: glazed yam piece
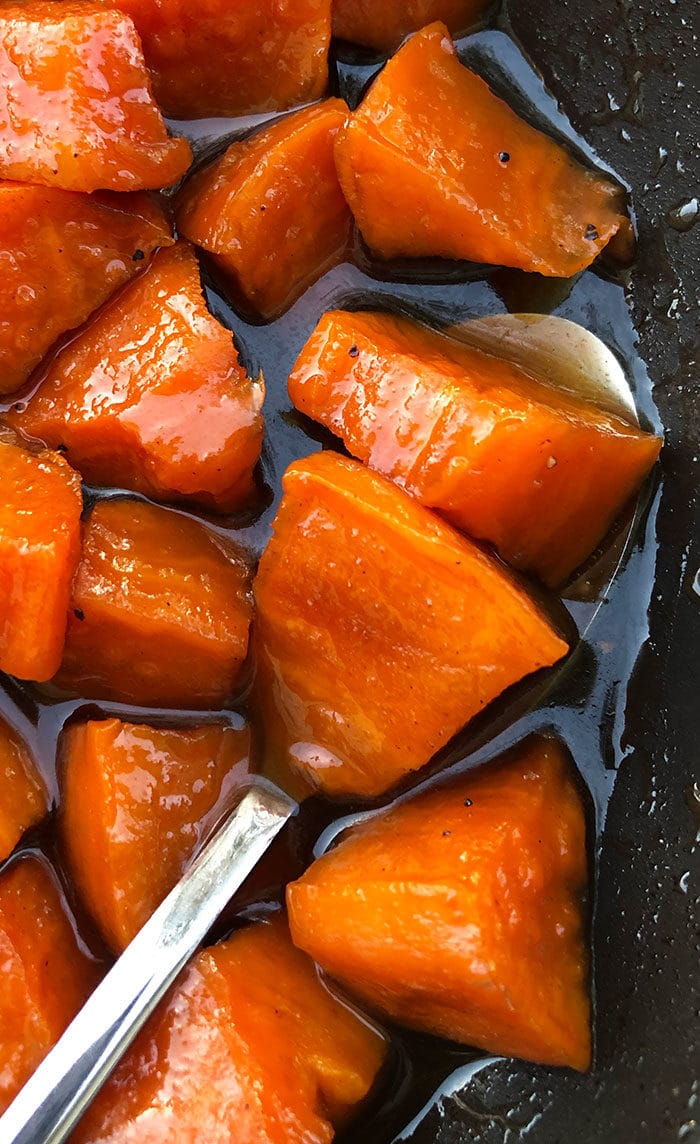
x: 137, y: 803
x: 218, y: 58
x: 459, y: 912
x: 76, y: 107
x: 249, y: 1047
x: 383, y: 26
x: 380, y: 630
x: 270, y: 211
x: 512, y: 460
x: 46, y: 974
x: 151, y: 395
x: 495, y: 190
x: 24, y: 799
x: 62, y: 256
x: 39, y: 549
x: 160, y: 610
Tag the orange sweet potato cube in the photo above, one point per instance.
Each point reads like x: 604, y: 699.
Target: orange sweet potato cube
x: 460, y: 912
x: 380, y: 630
x: 39, y: 549
x: 76, y: 107
x: 137, y: 803
x: 270, y: 210
x: 46, y: 974
x: 250, y: 1046
x: 160, y: 610
x: 24, y: 798
x: 227, y: 59
x: 62, y: 255
x: 383, y: 26
x: 536, y: 471
x: 495, y: 189
x: 151, y: 396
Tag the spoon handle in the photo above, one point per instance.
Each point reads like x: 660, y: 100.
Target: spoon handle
x: 56, y: 1095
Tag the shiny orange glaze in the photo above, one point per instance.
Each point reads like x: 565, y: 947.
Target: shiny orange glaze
x: 432, y: 163
x: 46, y: 976
x: 459, y: 912
x: 250, y: 1047
x: 383, y: 25
x: 271, y: 210
x: 380, y: 630
x: 76, y: 108
x: 160, y: 610
x: 136, y: 804
x: 63, y: 254
x: 24, y: 799
x: 39, y: 548
x: 219, y: 58
x: 509, y: 459
x: 151, y: 395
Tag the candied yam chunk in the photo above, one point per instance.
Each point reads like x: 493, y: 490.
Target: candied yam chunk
x: 250, y: 1046
x: 270, y: 210
x: 227, y: 59
x: 383, y: 26
x: 506, y: 457
x: 137, y: 803
x: 76, y: 107
x: 380, y: 630
x: 160, y: 610
x: 62, y: 255
x: 495, y: 190
x: 24, y: 798
x: 151, y: 396
x: 39, y: 549
x: 46, y: 976
x: 460, y: 912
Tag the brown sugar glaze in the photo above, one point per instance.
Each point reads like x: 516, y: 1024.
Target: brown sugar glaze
x: 583, y: 703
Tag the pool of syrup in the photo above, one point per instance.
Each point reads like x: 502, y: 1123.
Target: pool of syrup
x: 582, y: 703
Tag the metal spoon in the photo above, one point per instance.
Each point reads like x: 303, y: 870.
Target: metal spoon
x: 55, y: 1097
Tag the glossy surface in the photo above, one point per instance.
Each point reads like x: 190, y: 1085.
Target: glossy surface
x: 220, y: 58
x: 24, y: 799
x: 383, y: 26
x: 495, y: 189
x: 250, y: 1046
x: 39, y: 549
x: 271, y: 210
x: 380, y: 630
x: 62, y: 255
x: 532, y: 469
x: 137, y: 803
x: 459, y: 912
x: 76, y: 108
x: 46, y: 976
x: 151, y: 395
x: 160, y: 610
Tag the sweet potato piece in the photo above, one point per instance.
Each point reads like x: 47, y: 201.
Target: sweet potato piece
x: 160, y: 610
x: 380, y: 630
x: 137, y: 802
x: 271, y: 211
x: 383, y: 26
x: 76, y: 108
x: 46, y: 975
x: 460, y: 912
x: 151, y: 395
x: 39, y: 549
x: 62, y: 255
x: 218, y: 58
x: 531, y: 468
x: 249, y: 1047
x: 495, y: 190
x: 24, y: 799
